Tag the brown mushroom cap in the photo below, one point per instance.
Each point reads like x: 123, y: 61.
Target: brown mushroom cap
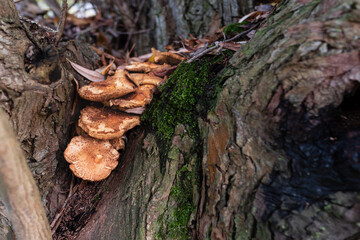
x: 166, y: 57
x: 143, y: 79
x: 106, y: 124
x: 140, y: 98
x: 146, y: 67
x: 113, y: 87
x: 91, y: 159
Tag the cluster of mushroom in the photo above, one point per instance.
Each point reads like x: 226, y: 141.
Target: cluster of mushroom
x: 93, y: 154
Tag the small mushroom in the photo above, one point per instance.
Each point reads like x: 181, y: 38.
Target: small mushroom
x: 140, y: 98
x: 166, y: 57
x: 91, y: 159
x: 113, y: 87
x: 106, y: 124
x: 146, y: 67
x: 143, y: 79
x: 118, y: 143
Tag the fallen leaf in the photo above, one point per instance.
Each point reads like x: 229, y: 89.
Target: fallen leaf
x: 87, y: 73
x: 109, y: 67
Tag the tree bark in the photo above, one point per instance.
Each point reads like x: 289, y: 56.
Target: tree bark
x: 279, y: 154
x: 170, y: 20
x: 18, y: 188
x: 37, y: 94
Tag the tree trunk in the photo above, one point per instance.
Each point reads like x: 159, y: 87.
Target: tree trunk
x: 278, y: 153
x: 168, y: 21
x: 276, y: 158
x: 37, y: 93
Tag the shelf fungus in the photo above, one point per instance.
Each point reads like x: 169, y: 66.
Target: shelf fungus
x: 106, y: 124
x: 146, y: 67
x: 93, y: 154
x: 166, y: 57
x: 140, y: 98
x: 144, y: 79
x: 91, y: 159
x: 113, y: 87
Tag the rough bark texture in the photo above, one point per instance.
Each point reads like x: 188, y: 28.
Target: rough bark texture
x: 18, y: 188
x: 278, y: 153
x: 279, y: 149
x: 285, y: 164
x: 38, y: 102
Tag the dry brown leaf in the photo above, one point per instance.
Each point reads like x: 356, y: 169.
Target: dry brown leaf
x: 87, y: 73
x: 109, y: 67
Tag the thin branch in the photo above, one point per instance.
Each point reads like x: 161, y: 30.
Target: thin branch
x: 137, y: 15
x: 217, y: 46
x: 61, y: 26
x: 53, y: 225
x: 243, y: 33
x: 202, y: 53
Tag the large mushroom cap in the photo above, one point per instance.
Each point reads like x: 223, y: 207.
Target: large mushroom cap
x: 106, y: 124
x: 140, y: 98
x: 113, y: 87
x: 91, y: 159
x: 146, y: 67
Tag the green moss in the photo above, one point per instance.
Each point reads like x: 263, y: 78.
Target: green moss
x: 183, y: 195
x: 234, y: 28
x: 96, y: 198
x: 176, y: 226
x: 187, y: 95
x: 191, y: 85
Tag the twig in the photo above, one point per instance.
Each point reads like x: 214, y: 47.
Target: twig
x: 53, y: 224
x: 135, y: 22
x: 134, y: 32
x: 61, y: 26
x: 222, y: 45
x: 217, y: 46
x: 243, y: 33
x: 202, y: 53
x: 118, y: 61
x: 17, y: 1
